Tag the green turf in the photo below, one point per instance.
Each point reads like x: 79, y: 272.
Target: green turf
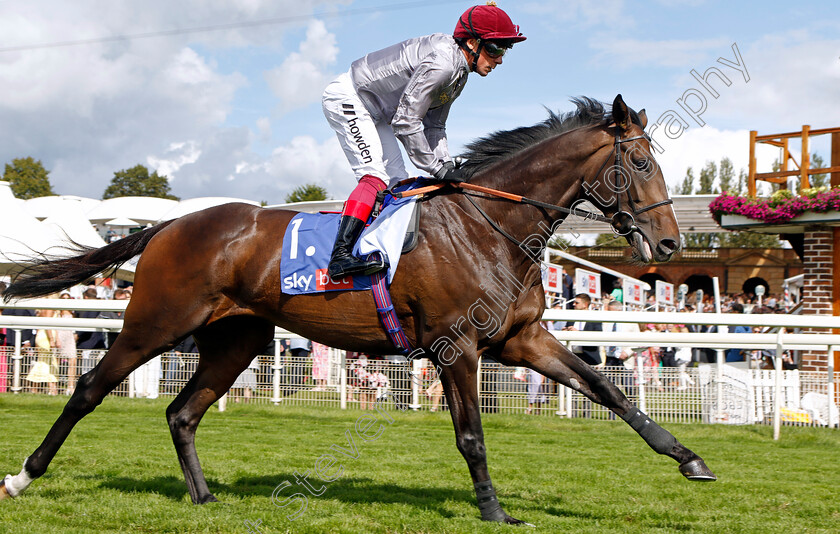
x: 118, y: 473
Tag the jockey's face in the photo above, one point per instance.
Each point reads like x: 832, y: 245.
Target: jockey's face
x: 486, y: 62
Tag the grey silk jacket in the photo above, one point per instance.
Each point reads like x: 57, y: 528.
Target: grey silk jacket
x: 412, y: 85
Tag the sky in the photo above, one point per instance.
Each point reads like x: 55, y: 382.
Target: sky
x: 223, y: 96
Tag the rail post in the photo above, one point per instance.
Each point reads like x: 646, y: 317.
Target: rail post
x: 777, y: 386
x: 719, y: 385
x: 131, y: 383
x: 342, y: 383
x: 569, y: 394
x: 275, y: 374
x: 831, y: 421
x: 416, y: 374
x: 16, y: 365
x: 640, y: 372
x: 561, y: 400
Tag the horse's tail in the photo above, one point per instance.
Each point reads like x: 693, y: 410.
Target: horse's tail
x: 44, y: 275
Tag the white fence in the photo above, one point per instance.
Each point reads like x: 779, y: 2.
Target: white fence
x: 716, y: 393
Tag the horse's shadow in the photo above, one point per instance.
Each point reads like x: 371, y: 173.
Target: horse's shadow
x: 355, y: 490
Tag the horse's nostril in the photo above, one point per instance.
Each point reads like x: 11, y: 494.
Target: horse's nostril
x: 668, y: 246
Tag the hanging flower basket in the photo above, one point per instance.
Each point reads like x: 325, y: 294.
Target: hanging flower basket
x: 782, y: 207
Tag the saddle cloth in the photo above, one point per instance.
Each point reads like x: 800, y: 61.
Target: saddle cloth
x: 309, y: 240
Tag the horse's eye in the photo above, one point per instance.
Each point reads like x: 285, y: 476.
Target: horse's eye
x: 642, y: 164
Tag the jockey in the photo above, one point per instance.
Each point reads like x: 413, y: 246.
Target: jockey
x: 404, y: 92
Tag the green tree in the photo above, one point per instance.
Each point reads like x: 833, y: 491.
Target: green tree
x: 726, y: 176
x: 818, y: 180
x: 687, y: 185
x: 610, y: 240
x: 706, y: 183
x: 28, y: 178
x: 137, y: 182
x: 742, y: 183
x: 559, y: 242
x: 307, y: 193
x: 750, y: 240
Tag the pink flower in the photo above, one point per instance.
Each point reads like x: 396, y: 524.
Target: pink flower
x: 778, y: 211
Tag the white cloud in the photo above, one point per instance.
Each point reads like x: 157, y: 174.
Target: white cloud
x: 583, y: 12
x: 305, y: 160
x: 697, y: 146
x: 792, y: 78
x: 89, y: 110
x: 628, y: 53
x: 178, y: 155
x: 264, y: 128
x: 302, y: 77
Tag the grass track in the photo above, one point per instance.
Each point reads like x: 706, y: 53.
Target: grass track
x: 118, y: 473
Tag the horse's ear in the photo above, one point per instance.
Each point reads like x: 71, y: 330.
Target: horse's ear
x: 643, y: 118
x: 621, y: 114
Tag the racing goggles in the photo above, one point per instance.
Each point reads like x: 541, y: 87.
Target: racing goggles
x: 494, y: 49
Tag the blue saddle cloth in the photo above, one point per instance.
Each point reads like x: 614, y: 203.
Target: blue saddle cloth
x: 310, y: 237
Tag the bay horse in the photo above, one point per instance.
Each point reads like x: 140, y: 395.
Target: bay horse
x: 473, y: 249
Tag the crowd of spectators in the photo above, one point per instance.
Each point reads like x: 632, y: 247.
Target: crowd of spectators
x: 56, y: 358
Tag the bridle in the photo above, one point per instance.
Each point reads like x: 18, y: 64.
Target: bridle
x: 623, y: 222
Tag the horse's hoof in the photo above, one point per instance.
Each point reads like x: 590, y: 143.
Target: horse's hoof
x: 4, y: 493
x: 696, y: 470
x: 513, y: 521
x: 207, y: 499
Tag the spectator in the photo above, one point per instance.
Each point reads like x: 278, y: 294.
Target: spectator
x: 734, y: 354
x: 589, y: 354
x: 300, y: 348
x: 363, y: 382
x: 66, y: 342
x: 435, y: 389
x: 91, y: 344
x: 536, y: 391
x: 681, y: 357
x: 246, y: 382
x: 568, y: 288
x: 181, y: 365
x: 649, y: 370
x: 27, y: 337
x: 320, y: 366
x: 666, y: 354
x: 621, y: 358
x: 378, y: 381
x: 45, y: 366
x: 617, y: 293
x: 5, y: 353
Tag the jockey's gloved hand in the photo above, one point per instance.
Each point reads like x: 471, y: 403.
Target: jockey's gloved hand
x: 448, y: 173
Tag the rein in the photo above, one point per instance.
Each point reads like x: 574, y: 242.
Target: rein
x: 622, y: 222
x: 504, y: 195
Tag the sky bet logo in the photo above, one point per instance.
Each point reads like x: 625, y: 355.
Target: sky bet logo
x: 323, y: 282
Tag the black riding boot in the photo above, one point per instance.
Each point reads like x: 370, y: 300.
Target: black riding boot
x: 342, y: 261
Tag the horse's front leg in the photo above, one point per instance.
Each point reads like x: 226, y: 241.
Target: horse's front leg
x: 537, y: 349
x: 460, y: 387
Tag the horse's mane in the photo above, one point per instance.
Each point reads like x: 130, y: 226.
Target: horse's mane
x: 501, y: 145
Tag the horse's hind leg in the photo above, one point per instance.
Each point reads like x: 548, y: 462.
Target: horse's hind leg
x: 226, y: 348
x: 534, y: 347
x: 132, y: 348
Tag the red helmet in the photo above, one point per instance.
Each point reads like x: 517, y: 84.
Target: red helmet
x: 489, y: 23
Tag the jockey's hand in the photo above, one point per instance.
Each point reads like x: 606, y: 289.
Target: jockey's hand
x: 448, y: 173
